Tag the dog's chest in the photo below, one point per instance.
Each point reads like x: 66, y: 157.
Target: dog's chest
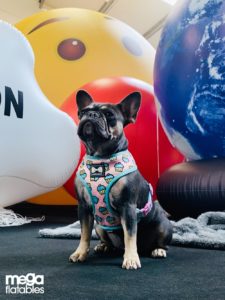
x: 98, y: 177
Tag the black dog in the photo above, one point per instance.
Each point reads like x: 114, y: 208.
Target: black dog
x: 125, y: 197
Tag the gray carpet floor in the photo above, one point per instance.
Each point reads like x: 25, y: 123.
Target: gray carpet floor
x: 186, y: 274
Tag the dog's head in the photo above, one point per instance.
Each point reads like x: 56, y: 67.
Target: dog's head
x: 101, y: 125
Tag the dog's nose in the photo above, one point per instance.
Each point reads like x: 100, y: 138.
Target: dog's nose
x: 93, y: 114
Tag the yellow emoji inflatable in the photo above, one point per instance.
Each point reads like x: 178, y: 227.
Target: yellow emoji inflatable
x: 74, y: 46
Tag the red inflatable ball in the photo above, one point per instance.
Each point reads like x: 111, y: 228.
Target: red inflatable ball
x: 147, y: 141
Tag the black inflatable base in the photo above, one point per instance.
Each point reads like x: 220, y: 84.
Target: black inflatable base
x: 191, y: 188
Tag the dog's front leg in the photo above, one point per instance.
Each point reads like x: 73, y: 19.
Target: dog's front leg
x: 86, y: 221
x: 129, y: 224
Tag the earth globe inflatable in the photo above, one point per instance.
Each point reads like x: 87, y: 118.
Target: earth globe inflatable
x: 189, y: 76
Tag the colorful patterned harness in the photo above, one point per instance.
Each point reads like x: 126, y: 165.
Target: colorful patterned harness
x: 98, y: 176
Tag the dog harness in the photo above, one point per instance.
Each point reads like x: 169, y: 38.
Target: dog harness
x: 98, y: 176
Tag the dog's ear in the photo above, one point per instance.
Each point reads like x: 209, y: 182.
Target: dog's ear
x: 83, y: 99
x: 129, y: 107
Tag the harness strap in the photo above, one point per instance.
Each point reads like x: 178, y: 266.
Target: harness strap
x: 143, y: 212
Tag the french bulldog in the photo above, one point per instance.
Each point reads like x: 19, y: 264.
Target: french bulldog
x: 126, y: 217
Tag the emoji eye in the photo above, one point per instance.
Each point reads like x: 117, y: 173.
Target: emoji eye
x: 71, y: 49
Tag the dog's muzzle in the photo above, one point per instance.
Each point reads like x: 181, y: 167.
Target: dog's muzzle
x: 93, y: 124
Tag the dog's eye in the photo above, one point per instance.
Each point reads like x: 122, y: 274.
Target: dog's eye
x: 80, y: 114
x: 108, y: 114
x: 110, y: 118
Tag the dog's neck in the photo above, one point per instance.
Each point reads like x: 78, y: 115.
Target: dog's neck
x: 107, y: 149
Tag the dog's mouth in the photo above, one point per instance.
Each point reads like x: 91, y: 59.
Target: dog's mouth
x: 88, y: 130
x: 91, y: 129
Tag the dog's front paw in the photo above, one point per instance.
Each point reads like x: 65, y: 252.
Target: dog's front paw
x: 158, y: 253
x: 79, y: 255
x: 131, y: 262
x: 102, y: 248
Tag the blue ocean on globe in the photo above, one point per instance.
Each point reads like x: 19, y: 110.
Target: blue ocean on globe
x: 189, y: 78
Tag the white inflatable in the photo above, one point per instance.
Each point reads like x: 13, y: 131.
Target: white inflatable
x: 39, y: 148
